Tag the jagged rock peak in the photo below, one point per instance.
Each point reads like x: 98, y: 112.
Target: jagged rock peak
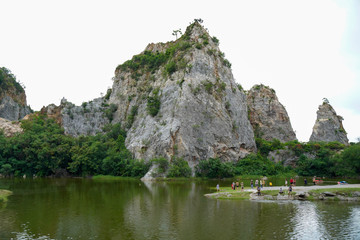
x: 180, y: 98
x: 267, y: 115
x: 87, y: 119
x: 328, y: 126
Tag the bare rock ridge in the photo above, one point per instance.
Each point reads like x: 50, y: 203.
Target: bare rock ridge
x: 328, y: 126
x: 268, y: 116
x: 180, y: 98
x: 13, y: 104
x: 87, y: 119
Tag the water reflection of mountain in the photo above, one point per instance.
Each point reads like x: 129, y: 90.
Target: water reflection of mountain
x: 88, y: 209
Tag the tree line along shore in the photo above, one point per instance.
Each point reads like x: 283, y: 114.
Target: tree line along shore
x: 43, y: 150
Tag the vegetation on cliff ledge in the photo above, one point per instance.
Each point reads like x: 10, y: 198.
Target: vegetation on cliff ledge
x: 8, y: 82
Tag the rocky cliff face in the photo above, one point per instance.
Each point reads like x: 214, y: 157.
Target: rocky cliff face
x: 268, y: 116
x: 12, y: 97
x: 9, y: 128
x: 287, y: 157
x: 180, y: 98
x: 87, y: 119
x: 328, y: 126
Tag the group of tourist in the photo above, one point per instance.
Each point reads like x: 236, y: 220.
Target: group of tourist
x: 235, y: 186
x: 259, y: 184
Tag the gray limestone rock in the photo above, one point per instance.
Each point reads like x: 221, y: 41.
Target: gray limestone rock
x: 268, y: 116
x: 328, y: 126
x: 329, y: 194
x: 88, y: 119
x: 12, y: 110
x: 287, y: 157
x: 202, y: 114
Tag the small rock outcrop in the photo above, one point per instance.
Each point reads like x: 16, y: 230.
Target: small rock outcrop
x: 10, y: 128
x: 12, y: 97
x: 87, y: 119
x: 287, y: 157
x: 268, y: 116
x: 180, y: 98
x: 328, y: 126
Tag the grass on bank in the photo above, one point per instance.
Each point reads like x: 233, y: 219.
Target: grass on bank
x: 4, y: 195
x: 235, y: 195
x: 230, y: 194
x: 112, y: 178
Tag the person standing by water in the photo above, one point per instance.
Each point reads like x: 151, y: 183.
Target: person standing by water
x: 290, y: 189
x: 233, y: 186
x: 252, y: 184
x: 242, y: 186
x: 237, y: 184
x: 217, y: 188
x: 305, y: 182
x: 291, y: 181
x: 285, y: 182
x: 256, y: 183
x: 314, y: 178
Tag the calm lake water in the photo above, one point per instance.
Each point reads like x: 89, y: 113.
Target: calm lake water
x: 129, y: 209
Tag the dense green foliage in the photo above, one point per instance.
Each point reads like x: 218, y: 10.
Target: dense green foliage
x: 162, y: 164
x: 109, y: 112
x: 131, y: 117
x: 152, y: 61
x: 179, y: 168
x: 214, y: 168
x: 44, y: 150
x: 170, y: 68
x: 8, y: 81
x: 153, y: 103
x: 327, y: 160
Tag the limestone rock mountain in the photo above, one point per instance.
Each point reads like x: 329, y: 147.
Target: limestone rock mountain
x: 13, y: 104
x: 328, y: 126
x: 268, y: 116
x: 180, y: 98
x: 87, y: 119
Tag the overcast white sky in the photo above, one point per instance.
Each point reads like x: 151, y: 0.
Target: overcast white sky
x: 306, y: 50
